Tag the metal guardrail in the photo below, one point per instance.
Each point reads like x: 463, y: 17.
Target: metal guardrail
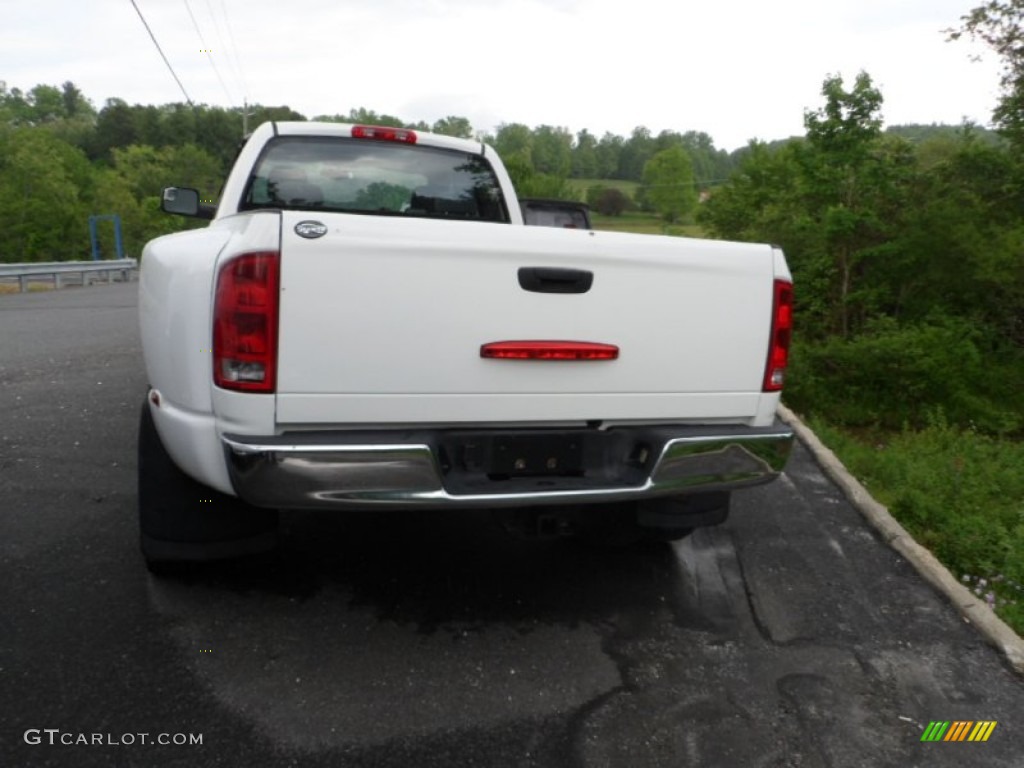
x: 59, y: 270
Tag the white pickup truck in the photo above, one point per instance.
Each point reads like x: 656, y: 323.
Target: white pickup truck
x: 367, y: 323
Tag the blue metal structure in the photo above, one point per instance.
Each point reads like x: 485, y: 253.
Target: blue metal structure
x: 117, y: 234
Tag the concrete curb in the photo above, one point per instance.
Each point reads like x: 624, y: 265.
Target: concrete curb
x: 971, y: 608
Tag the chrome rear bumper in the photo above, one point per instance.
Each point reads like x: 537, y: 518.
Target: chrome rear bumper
x: 359, y: 470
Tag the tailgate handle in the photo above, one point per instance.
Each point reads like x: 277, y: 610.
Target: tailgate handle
x: 555, y: 280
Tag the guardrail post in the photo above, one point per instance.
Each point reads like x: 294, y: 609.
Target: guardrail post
x: 56, y: 281
x: 22, y: 283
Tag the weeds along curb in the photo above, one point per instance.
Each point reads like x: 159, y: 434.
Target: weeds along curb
x: 895, y: 535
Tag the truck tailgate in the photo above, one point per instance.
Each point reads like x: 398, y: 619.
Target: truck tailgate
x: 383, y: 317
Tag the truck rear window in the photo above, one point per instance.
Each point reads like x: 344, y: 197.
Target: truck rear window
x: 374, y: 177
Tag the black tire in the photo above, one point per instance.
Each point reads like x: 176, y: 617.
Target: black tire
x: 182, y: 521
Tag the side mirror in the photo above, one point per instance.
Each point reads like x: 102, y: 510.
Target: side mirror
x: 182, y: 201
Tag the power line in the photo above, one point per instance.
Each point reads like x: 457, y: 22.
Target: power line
x: 209, y: 53
x: 234, y: 51
x: 220, y: 37
x: 153, y: 38
x: 235, y: 63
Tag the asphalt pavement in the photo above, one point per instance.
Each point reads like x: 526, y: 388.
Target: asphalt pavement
x: 790, y: 636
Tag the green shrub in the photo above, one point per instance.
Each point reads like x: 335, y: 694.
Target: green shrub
x: 893, y: 375
x: 611, y: 202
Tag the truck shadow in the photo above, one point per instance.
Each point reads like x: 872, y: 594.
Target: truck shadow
x: 371, y: 627
x: 428, y: 569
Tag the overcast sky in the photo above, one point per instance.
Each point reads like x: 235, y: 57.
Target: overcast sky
x: 736, y: 69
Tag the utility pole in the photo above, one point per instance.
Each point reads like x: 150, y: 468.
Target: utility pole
x: 245, y: 119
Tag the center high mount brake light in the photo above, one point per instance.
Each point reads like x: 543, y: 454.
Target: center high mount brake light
x: 549, y: 350
x: 381, y: 133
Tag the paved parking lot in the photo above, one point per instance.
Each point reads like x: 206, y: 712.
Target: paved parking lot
x: 790, y: 636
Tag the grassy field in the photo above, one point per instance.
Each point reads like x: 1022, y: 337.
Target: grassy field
x: 642, y: 223
x: 958, y: 492
x: 637, y: 222
x: 580, y: 186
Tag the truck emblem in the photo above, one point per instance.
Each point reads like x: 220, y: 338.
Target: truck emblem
x: 310, y: 229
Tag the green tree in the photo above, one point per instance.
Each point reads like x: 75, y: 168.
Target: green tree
x: 1000, y: 25
x: 668, y: 184
x: 667, y: 139
x: 849, y: 120
x: 75, y: 103
x: 584, y: 156
x: 14, y: 107
x: 42, y: 217
x: 853, y: 186
x: 529, y: 183
x: 608, y: 151
x: 115, y: 127
x: 551, y: 150
x: 47, y: 104
x: 710, y: 165
x: 514, y: 140
x: 179, y: 125
x: 218, y: 133
x: 148, y: 170
x: 195, y: 167
x: 761, y: 202
x: 144, y: 168
x: 635, y: 152
x: 363, y: 116
x: 259, y: 114
x: 918, y: 133
x: 65, y: 111
x: 963, y: 239
x: 149, y: 126
x: 837, y: 202
x: 452, y: 125
x: 141, y: 219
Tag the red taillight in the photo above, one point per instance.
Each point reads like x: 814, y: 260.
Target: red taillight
x: 245, y: 323
x: 382, y: 133
x: 782, y: 332
x: 549, y: 350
